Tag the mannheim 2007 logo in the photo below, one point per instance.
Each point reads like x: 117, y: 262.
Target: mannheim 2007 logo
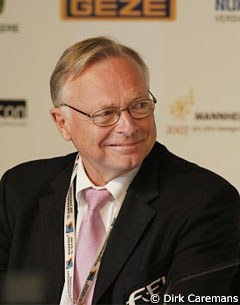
x: 119, y: 9
x: 185, y: 118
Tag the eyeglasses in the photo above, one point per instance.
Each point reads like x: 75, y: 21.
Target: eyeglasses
x: 110, y: 116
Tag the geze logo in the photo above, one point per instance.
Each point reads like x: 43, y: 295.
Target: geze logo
x: 13, y: 109
x: 123, y: 9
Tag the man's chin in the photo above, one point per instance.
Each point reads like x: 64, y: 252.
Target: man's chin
x: 124, y: 166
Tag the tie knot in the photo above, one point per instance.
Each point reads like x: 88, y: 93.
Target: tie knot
x: 96, y: 198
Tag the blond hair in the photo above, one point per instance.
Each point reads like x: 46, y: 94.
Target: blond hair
x: 75, y: 58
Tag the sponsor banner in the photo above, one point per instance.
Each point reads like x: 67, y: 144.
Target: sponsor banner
x: 13, y: 112
x: 119, y: 9
x: 7, y: 27
x: 185, y: 118
x: 227, y: 11
x: 1, y: 6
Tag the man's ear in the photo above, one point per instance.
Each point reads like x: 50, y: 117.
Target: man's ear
x: 61, y: 123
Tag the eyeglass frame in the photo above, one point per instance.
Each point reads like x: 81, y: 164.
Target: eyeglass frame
x: 154, y: 100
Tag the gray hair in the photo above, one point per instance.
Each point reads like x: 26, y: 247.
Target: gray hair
x: 75, y: 58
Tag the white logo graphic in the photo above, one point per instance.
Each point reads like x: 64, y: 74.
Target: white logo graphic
x: 145, y: 293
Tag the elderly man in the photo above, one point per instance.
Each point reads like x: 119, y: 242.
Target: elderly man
x: 121, y: 219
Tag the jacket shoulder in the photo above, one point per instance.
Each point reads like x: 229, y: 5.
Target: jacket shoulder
x: 183, y: 173
x: 35, y: 170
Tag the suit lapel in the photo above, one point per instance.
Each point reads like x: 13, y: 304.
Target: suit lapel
x: 134, y: 216
x: 127, y: 230
x: 52, y: 218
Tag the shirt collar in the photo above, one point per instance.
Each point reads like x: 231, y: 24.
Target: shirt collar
x: 117, y: 187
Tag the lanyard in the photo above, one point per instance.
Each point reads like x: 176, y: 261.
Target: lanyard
x: 69, y: 233
x: 70, y: 243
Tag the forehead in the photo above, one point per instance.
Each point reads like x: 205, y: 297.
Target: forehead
x: 113, y: 77
x: 119, y: 66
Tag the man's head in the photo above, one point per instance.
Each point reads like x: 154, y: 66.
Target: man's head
x: 98, y: 74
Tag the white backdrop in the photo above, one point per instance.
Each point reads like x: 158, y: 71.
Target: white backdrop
x: 194, y: 65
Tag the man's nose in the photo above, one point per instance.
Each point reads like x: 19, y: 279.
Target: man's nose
x: 126, y: 123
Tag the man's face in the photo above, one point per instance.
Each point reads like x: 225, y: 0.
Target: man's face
x: 108, y: 152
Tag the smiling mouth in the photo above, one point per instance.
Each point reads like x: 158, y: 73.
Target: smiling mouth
x: 126, y: 144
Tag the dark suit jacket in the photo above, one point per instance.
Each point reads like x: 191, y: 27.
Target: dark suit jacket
x: 177, y: 219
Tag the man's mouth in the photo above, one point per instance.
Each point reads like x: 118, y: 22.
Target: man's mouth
x: 125, y: 144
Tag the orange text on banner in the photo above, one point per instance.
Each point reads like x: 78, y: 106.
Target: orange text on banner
x: 121, y: 9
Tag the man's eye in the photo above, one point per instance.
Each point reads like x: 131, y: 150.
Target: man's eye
x: 140, y: 105
x: 105, y: 113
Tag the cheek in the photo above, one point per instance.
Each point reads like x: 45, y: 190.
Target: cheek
x: 89, y: 138
x: 154, y: 129
x: 149, y: 127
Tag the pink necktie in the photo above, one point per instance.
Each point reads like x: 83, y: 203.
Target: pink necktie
x: 90, y: 236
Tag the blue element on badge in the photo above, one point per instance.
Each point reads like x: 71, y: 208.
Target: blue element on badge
x: 69, y: 263
x: 69, y: 228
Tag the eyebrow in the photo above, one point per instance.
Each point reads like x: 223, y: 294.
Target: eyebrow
x: 137, y: 97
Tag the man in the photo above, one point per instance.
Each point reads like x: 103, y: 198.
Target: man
x: 163, y: 217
